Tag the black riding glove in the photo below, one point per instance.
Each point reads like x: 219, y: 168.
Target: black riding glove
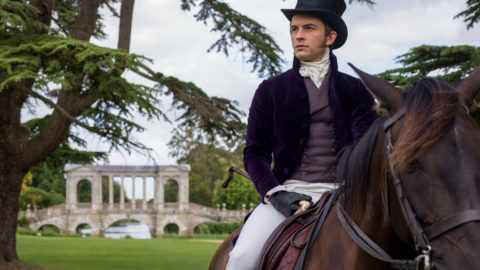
x: 286, y: 202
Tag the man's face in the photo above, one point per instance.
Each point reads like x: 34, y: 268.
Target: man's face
x: 308, y: 37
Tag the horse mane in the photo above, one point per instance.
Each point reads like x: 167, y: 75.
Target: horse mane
x: 431, y: 105
x: 354, y: 164
x: 430, y: 110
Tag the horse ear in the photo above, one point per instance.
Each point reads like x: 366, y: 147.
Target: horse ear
x: 469, y: 88
x: 386, y: 93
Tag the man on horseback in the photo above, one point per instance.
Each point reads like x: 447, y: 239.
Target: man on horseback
x: 302, y: 117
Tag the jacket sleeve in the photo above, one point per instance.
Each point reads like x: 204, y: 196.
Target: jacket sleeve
x: 364, y: 113
x: 257, y: 154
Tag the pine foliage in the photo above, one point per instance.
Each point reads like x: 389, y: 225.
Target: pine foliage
x: 449, y: 63
x: 472, y: 14
x: 237, y: 29
x: 16, y: 17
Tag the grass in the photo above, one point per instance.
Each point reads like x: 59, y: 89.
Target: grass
x: 65, y: 253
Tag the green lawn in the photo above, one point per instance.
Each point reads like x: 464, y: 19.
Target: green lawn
x: 65, y: 253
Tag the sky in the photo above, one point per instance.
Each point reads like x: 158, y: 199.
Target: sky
x: 177, y: 44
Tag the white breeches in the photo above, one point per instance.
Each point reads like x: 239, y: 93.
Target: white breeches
x: 263, y: 221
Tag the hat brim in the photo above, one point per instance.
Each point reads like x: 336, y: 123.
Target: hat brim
x: 326, y: 16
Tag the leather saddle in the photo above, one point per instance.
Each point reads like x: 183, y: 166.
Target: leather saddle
x: 285, y: 245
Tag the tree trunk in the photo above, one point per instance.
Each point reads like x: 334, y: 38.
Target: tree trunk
x: 12, y: 139
x: 85, y: 21
x: 11, y: 182
x: 125, y: 29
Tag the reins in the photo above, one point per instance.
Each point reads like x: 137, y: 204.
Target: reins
x: 421, y: 237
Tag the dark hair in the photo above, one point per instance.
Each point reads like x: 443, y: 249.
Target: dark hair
x: 328, y: 28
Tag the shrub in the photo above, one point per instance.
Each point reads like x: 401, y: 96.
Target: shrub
x: 202, y: 229
x: 50, y: 230
x: 217, y: 227
x: 39, y: 197
x: 23, y: 221
x: 25, y: 231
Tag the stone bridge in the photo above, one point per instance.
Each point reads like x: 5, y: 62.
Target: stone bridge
x: 156, y: 213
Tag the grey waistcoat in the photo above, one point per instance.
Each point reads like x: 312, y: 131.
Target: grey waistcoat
x: 319, y: 156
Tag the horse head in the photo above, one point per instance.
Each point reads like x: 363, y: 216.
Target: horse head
x: 435, y: 155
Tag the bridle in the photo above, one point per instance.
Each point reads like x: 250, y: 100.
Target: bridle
x: 421, y: 237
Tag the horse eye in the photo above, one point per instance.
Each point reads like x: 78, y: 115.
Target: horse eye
x: 413, y: 166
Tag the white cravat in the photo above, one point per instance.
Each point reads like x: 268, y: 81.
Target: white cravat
x: 316, y: 70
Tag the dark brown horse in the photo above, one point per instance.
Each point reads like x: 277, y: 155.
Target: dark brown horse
x: 411, y: 185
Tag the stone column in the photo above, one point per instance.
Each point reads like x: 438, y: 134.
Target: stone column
x: 110, y: 192
x: 134, y: 202
x: 122, y: 195
x: 159, y: 192
x: 159, y: 225
x: 96, y: 192
x: 144, y: 201
x: 155, y: 200
x: 71, y: 196
x: 95, y: 232
x: 183, y: 192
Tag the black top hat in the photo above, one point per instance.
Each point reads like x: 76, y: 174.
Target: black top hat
x: 329, y: 11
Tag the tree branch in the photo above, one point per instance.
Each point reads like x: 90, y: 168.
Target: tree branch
x: 32, y: 157
x: 57, y: 107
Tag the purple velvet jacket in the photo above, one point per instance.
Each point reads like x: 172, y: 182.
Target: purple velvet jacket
x: 279, y: 122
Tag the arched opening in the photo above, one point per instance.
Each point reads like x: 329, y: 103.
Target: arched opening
x: 84, y: 229
x: 128, y: 228
x: 171, y: 228
x: 49, y: 230
x: 84, y: 191
x: 171, y: 191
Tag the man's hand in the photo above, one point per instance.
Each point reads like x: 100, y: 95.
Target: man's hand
x: 286, y: 202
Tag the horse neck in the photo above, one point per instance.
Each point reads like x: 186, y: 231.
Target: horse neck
x: 371, y: 212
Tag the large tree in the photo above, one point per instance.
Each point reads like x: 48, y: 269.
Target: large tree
x: 46, y: 57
